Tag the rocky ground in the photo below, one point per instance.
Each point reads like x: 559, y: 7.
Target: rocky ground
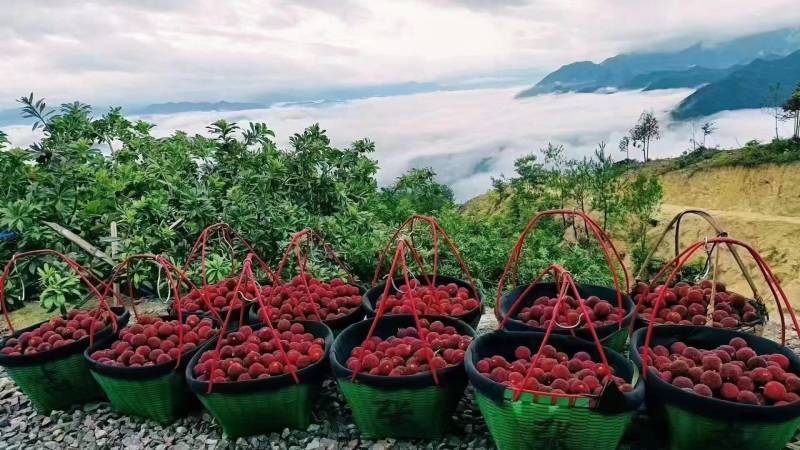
x: 95, y: 426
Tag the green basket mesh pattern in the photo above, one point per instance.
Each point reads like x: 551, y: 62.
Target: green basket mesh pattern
x: 56, y: 384
x: 537, y: 424
x: 616, y: 341
x: 162, y: 399
x: 261, y: 412
x: 402, y: 413
x: 692, y: 431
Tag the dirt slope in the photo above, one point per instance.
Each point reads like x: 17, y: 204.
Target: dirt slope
x: 760, y: 205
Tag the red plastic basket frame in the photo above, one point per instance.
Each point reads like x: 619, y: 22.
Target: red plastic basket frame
x: 512, y: 266
x: 436, y: 231
x: 564, y: 283
x: 679, y: 261
x: 76, y: 268
x: 311, y: 237
x: 247, y: 276
x: 399, y: 259
x: 229, y: 235
x: 174, y: 283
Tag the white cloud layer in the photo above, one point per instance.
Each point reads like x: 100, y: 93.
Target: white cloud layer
x: 470, y: 136
x: 110, y: 52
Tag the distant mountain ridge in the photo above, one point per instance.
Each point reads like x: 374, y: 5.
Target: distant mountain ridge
x: 177, y: 107
x: 689, y: 67
x: 746, y: 87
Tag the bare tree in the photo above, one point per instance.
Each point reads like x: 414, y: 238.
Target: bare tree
x: 772, y: 105
x: 708, y: 128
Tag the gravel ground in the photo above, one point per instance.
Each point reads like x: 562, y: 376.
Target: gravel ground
x: 95, y: 426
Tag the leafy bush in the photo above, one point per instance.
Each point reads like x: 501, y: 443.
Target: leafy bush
x: 89, y: 172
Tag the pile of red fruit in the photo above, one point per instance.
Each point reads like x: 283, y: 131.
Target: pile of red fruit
x: 154, y: 341
x: 570, y: 314
x: 555, y: 372
x: 220, y: 296
x: 56, y: 333
x: 292, y: 301
x: 444, y: 299
x: 406, y: 354
x: 248, y: 355
x: 732, y: 372
x: 686, y: 304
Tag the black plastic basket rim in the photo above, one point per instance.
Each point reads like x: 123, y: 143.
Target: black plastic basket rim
x: 711, y: 407
x: 138, y: 373
x: 334, y: 324
x: 310, y: 374
x: 62, y: 352
x: 471, y: 317
x: 586, y: 290
x: 507, y: 341
x: 354, y: 335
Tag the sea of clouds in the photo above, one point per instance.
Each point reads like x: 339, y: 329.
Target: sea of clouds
x: 468, y: 137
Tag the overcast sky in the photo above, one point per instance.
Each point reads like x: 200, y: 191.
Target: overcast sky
x: 132, y: 52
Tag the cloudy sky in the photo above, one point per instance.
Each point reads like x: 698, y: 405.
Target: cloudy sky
x: 134, y: 52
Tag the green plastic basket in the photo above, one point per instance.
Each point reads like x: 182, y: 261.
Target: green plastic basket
x: 265, y: 405
x: 157, y: 392
x: 261, y: 412
x: 56, y: 384
x: 547, y: 422
x: 418, y: 413
x: 398, y: 407
x: 692, y: 421
x: 60, y: 377
x: 538, y: 424
x: 613, y: 336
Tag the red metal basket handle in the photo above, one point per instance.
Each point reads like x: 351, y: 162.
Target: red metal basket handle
x: 309, y: 237
x: 566, y: 283
x: 772, y: 282
x: 436, y: 232
x: 175, y: 278
x: 512, y: 266
x: 245, y: 277
x: 399, y: 259
x: 84, y: 275
x: 229, y: 234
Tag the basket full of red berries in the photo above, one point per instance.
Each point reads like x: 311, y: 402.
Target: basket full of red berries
x: 707, y: 302
x: 214, y: 300
x: 572, y: 396
x: 46, y: 359
x: 719, y: 388
x: 442, y: 296
x: 142, y: 370
x: 550, y: 390
x: 262, y: 378
x: 611, y: 313
x: 336, y: 303
x: 402, y: 375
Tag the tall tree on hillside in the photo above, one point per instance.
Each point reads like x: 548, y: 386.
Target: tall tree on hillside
x: 625, y: 146
x: 708, y: 129
x: 645, y: 131
x: 773, y: 106
x: 791, y: 110
x: 3, y: 139
x: 642, y: 200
